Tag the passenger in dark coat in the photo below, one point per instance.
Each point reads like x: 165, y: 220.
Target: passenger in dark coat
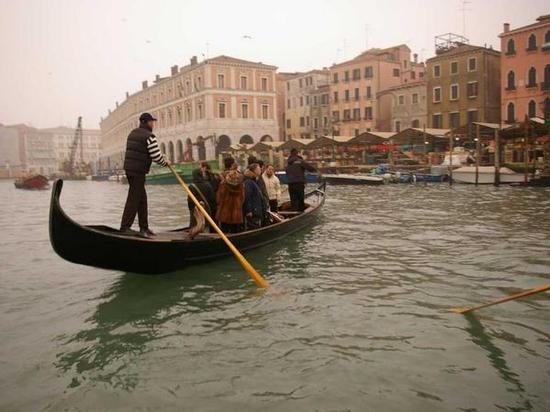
x: 202, y: 189
x: 253, y: 207
x: 230, y: 200
x: 296, y: 177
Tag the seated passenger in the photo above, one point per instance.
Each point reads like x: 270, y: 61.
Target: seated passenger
x: 202, y: 189
x: 230, y: 200
x: 253, y: 208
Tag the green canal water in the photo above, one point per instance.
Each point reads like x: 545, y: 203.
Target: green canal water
x: 361, y: 323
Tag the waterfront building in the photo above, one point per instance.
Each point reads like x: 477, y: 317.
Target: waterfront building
x: 525, y: 67
x: 306, y: 105
x: 36, y: 150
x: 407, y: 104
x: 355, y: 84
x: 281, y: 102
x: 463, y: 83
x: 63, y: 140
x: 203, y: 109
x: 10, y: 161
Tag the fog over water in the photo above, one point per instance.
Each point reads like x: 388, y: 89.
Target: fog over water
x: 66, y: 58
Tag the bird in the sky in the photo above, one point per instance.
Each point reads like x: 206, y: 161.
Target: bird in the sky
x: 246, y: 36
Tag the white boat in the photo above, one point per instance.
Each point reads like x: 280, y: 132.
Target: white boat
x: 467, y: 174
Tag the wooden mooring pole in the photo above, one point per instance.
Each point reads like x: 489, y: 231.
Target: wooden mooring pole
x: 451, y: 143
x: 497, y: 157
x: 478, y: 152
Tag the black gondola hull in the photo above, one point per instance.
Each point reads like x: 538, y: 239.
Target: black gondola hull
x: 107, y: 248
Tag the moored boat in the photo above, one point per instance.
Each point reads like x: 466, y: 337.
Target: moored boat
x: 310, y: 177
x: 486, y: 175
x: 105, y: 247
x: 36, y: 182
x: 349, y: 179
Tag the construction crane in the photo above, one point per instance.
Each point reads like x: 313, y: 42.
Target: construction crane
x: 76, y: 140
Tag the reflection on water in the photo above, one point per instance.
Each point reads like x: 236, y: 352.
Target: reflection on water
x: 362, y: 322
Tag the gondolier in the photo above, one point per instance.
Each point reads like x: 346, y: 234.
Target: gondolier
x: 141, y: 150
x: 296, y: 167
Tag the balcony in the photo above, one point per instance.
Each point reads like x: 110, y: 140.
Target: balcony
x: 531, y: 85
x: 510, y: 88
x: 545, y: 86
x: 530, y: 49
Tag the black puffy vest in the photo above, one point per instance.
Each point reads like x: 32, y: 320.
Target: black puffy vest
x: 137, y: 159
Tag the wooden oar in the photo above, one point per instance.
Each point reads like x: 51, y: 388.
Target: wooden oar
x: 528, y: 292
x: 260, y: 281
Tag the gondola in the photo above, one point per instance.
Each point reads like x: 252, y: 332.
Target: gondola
x: 107, y: 248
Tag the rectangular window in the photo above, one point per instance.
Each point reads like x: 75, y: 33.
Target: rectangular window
x: 221, y: 81
x: 472, y: 116
x: 437, y: 121
x: 356, y: 74
x: 437, y: 94
x: 288, y: 85
x: 369, y: 72
x: 199, y: 107
x: 244, y: 111
x: 307, y: 121
x: 264, y: 84
x: 301, y: 83
x: 395, y: 72
x: 288, y: 103
x: 437, y: 70
x: 315, y: 122
x: 221, y: 110
x: 369, y: 92
x: 472, y: 90
x: 265, y: 111
x: 454, y: 92
x: 335, y: 78
x: 356, y: 93
x: 244, y: 82
x: 346, y: 76
x: 472, y: 64
x: 336, y: 116
x: 401, y: 100
x: 346, y: 95
x: 397, y: 126
x: 325, y: 121
x: 356, y: 114
x: 415, y: 98
x: 347, y: 114
x: 335, y: 97
x: 413, y: 75
x: 288, y: 123
x: 368, y: 113
x: 454, y: 120
x: 301, y: 101
x: 315, y: 100
x: 302, y: 121
x: 307, y: 100
x: 454, y: 67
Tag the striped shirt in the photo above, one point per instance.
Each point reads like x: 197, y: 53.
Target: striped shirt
x: 154, y: 151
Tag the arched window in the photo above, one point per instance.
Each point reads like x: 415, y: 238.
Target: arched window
x: 532, y: 77
x: 547, y: 108
x: 171, y: 151
x: 163, y: 148
x: 266, y: 138
x: 532, y: 109
x: 179, y: 151
x: 532, y: 42
x: 223, y: 145
x: 511, y: 48
x: 511, y: 80
x: 201, y: 148
x: 546, y: 85
x: 547, y: 37
x: 247, y: 139
x: 511, y: 113
x: 416, y: 123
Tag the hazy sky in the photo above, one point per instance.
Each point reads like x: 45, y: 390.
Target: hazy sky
x: 65, y: 58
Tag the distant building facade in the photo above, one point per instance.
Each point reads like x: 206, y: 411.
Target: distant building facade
x: 407, y: 104
x: 463, y: 86
x: 525, y: 66
x: 63, y: 139
x: 354, y: 85
x: 203, y: 108
x: 36, y: 150
x: 281, y: 101
x: 302, y: 91
x: 10, y: 160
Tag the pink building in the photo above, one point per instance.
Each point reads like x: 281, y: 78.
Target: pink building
x: 525, y: 70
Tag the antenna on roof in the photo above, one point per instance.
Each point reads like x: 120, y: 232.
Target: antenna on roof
x: 464, y: 8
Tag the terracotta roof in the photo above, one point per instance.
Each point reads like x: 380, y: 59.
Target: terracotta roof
x: 541, y: 22
x: 227, y: 59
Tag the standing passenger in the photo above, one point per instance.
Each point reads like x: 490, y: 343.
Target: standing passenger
x: 230, y: 200
x: 273, y: 186
x: 295, y: 173
x: 254, y: 210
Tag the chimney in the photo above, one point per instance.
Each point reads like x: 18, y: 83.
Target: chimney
x: 415, y: 57
x: 193, y: 60
x: 127, y: 94
x: 109, y: 111
x: 506, y: 27
x: 174, y: 70
x: 144, y: 84
x: 116, y: 104
x: 157, y: 77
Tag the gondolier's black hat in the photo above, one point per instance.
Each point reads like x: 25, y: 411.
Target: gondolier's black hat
x: 146, y: 117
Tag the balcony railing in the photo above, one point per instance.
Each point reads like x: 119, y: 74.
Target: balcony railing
x: 531, y: 85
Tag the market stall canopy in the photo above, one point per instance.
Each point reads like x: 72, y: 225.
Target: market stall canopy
x: 486, y: 130
x: 327, y: 141
x: 266, y: 146
x: 372, y: 138
x: 535, y: 125
x: 414, y: 135
x: 294, y: 144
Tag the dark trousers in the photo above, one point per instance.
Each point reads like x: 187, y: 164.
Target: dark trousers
x: 273, y: 205
x: 296, y: 192
x: 136, y: 203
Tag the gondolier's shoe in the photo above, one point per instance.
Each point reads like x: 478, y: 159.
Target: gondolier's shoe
x: 146, y: 232
x: 129, y: 231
